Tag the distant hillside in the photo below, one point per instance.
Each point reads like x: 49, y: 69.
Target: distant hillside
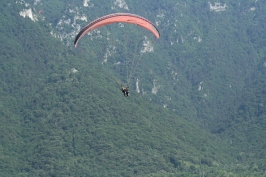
x: 61, y: 114
x: 196, y: 104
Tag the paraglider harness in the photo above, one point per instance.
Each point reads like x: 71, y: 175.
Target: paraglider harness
x: 125, y: 91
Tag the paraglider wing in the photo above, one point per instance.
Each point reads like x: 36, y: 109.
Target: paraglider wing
x: 115, y: 18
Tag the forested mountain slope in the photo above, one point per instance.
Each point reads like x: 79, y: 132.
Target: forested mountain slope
x: 62, y: 113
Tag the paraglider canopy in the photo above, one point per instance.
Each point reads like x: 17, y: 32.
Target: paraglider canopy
x: 118, y: 17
